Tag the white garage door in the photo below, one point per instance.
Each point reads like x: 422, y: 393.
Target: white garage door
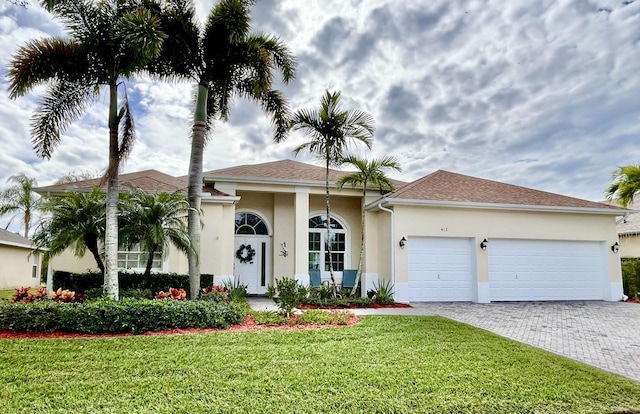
x: 439, y: 269
x: 521, y: 270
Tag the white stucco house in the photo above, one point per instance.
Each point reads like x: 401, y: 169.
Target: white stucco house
x: 19, y: 265
x: 463, y: 238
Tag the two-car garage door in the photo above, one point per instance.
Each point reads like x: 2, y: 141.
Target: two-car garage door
x: 521, y: 270
x: 443, y: 270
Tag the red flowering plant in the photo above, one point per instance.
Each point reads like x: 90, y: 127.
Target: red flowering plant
x: 177, y: 294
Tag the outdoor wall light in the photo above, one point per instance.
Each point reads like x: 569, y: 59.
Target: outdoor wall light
x: 483, y: 244
x: 403, y: 242
x: 615, y: 248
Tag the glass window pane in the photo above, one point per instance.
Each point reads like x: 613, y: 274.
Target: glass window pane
x: 261, y: 228
x: 240, y: 219
x: 245, y: 230
x: 314, y: 260
x: 252, y: 219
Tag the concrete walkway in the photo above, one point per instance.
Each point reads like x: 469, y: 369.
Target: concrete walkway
x: 603, y: 334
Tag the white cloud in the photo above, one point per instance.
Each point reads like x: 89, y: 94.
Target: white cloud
x: 541, y: 94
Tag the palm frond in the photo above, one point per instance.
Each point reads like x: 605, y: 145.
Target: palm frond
x: 127, y: 130
x: 40, y: 61
x: 63, y: 103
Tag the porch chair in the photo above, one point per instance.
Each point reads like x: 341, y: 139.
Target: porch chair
x: 349, y: 278
x: 314, y: 278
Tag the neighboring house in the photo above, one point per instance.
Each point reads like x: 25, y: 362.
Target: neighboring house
x: 19, y: 265
x: 539, y: 246
x: 629, y: 233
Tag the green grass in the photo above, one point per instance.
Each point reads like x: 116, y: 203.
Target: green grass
x: 7, y: 294
x: 382, y: 365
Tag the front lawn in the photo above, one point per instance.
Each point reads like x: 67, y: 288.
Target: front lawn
x: 384, y: 364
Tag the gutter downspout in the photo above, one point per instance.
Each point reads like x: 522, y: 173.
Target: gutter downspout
x: 393, y: 238
x: 623, y: 219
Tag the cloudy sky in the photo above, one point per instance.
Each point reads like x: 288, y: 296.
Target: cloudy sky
x: 543, y: 94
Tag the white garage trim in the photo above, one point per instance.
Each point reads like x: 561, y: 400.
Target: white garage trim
x: 440, y: 269
x: 534, y: 270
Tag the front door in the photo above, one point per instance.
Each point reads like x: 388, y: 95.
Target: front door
x: 252, y: 262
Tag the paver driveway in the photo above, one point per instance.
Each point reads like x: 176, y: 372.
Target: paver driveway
x: 602, y: 334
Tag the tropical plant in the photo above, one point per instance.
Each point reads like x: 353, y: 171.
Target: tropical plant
x: 20, y: 199
x: 108, y: 41
x: 74, y: 220
x: 154, y: 222
x: 287, y: 293
x: 226, y: 60
x: 625, y: 185
x: 382, y: 293
x: 329, y: 130
x: 368, y: 173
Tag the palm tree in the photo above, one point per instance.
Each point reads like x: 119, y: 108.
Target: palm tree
x: 368, y: 173
x: 21, y: 200
x: 329, y: 130
x: 625, y: 186
x: 75, y: 220
x: 154, y: 221
x: 227, y: 61
x: 109, y: 41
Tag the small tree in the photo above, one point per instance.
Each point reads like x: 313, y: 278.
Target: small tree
x: 75, y: 220
x: 369, y: 173
x: 20, y: 199
x: 625, y: 185
x: 154, y: 221
x: 329, y: 130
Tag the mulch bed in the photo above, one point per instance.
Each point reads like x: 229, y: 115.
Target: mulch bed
x: 632, y: 300
x: 248, y: 325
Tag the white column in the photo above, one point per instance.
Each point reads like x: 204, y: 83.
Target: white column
x: 301, y: 235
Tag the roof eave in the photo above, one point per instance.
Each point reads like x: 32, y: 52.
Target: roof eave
x: 220, y: 199
x: 269, y: 180
x: 495, y: 206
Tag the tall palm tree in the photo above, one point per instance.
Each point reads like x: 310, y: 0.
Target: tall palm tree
x: 368, y: 173
x: 625, y: 186
x: 108, y: 41
x: 20, y: 199
x: 154, y: 221
x: 226, y: 61
x: 329, y: 130
x: 74, y: 220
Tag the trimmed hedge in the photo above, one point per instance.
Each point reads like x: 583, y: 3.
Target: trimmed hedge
x: 631, y: 276
x: 124, y: 316
x: 82, y: 282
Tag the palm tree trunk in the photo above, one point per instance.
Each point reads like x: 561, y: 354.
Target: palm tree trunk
x: 147, y: 269
x: 111, y: 231
x: 194, y: 191
x: 362, y: 239
x: 91, y: 241
x: 333, y: 280
x: 27, y: 222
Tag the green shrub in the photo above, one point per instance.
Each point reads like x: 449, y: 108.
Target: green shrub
x: 136, y: 293
x: 382, y: 293
x: 215, y: 296
x: 268, y: 318
x: 82, y: 282
x: 126, y: 315
x: 236, y: 289
x: 315, y: 316
x: 287, y: 293
x: 631, y: 276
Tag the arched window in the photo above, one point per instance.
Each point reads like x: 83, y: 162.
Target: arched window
x: 247, y: 223
x: 318, y: 244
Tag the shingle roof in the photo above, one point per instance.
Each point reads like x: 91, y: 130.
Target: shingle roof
x: 7, y: 237
x: 447, y: 186
x: 148, y: 180
x: 283, y: 170
x: 630, y: 225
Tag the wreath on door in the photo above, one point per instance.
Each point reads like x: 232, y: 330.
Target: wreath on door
x: 245, y: 253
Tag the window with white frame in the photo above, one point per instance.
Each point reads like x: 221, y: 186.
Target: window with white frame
x: 136, y: 258
x: 319, y: 244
